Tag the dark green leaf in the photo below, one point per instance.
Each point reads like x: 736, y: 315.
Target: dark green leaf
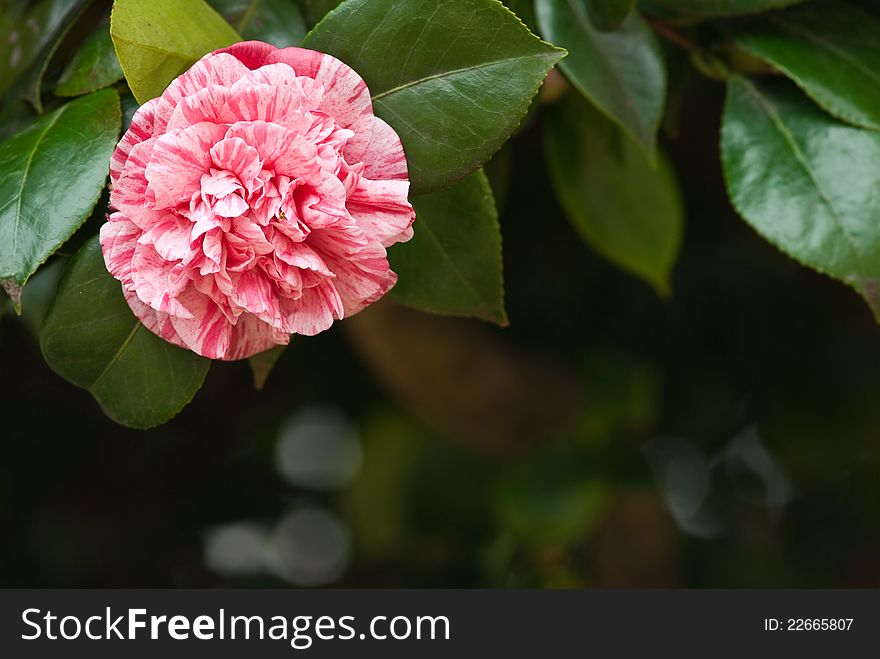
x: 263, y: 363
x: 16, y: 115
x: 278, y: 22
x: 78, y: 8
x: 25, y: 34
x: 628, y: 210
x: 804, y: 181
x: 620, y: 72
x: 498, y: 171
x: 524, y: 9
x: 453, y: 263
x: 722, y: 7
x: 94, y: 66
x: 454, y: 79
x: 39, y: 293
x: 315, y: 10
x: 51, y: 175
x: 831, y: 50
x: 91, y: 338
x: 157, y: 40
x: 608, y: 14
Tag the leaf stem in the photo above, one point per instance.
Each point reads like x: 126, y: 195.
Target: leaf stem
x: 671, y: 34
x: 705, y: 61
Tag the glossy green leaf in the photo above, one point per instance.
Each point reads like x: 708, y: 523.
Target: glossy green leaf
x: 525, y: 11
x: 453, y: 263
x: 30, y: 85
x: 94, y: 66
x: 608, y: 14
x: 831, y: 50
x: 157, y: 40
x: 91, y: 338
x: 278, y: 22
x: 806, y: 182
x: 498, y: 171
x: 722, y: 7
x: 24, y: 34
x: 15, y: 115
x: 453, y: 78
x: 315, y: 10
x: 629, y: 210
x: 51, y: 176
x: 263, y: 363
x: 40, y: 290
x: 41, y: 72
x: 620, y: 72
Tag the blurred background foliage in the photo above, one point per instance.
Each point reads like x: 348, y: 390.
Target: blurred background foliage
x: 727, y: 436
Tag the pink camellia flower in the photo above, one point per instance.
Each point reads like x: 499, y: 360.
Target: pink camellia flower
x: 253, y: 200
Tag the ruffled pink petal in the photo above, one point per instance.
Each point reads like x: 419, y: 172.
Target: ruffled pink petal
x: 169, y: 237
x: 212, y: 246
x: 254, y: 199
x: 206, y: 331
x: 384, y: 157
x: 212, y: 69
x: 154, y: 282
x: 253, y: 292
x: 266, y: 103
x: 179, y: 160
x: 382, y: 210
x: 250, y: 234
x: 220, y: 184
x: 119, y: 238
x: 251, y: 336
x: 302, y: 60
x: 230, y: 206
x: 252, y: 54
x: 319, y: 203
x: 129, y: 191
x: 209, y: 104
x: 141, y: 129
x: 303, y: 257
x: 361, y: 283
x: 311, y: 92
x: 234, y: 155
x: 282, y: 151
x: 362, y: 274
x: 269, y: 74
x: 157, y: 322
x: 346, y: 97
x: 314, y: 312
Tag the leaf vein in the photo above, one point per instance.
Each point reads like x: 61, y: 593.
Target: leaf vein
x: 802, y: 161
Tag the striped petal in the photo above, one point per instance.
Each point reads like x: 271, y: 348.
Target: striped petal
x: 178, y: 161
x: 346, y: 96
x: 382, y: 210
x: 141, y: 130
x: 384, y: 157
x: 119, y: 238
x: 153, y: 281
x: 255, y: 199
